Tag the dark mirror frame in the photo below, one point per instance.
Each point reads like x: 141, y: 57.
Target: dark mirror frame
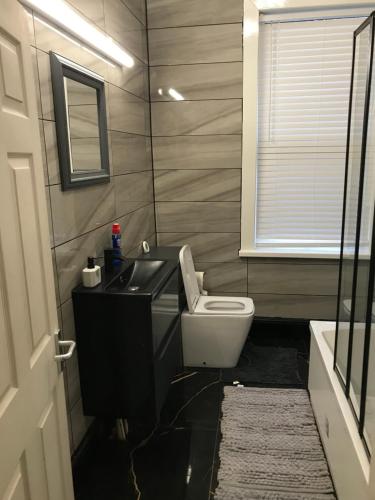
x: 60, y: 68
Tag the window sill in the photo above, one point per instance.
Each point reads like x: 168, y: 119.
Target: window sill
x: 297, y: 253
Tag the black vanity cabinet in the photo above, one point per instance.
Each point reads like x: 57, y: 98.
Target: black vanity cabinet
x: 129, y: 339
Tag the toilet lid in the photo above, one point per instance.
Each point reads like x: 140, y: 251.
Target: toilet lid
x: 190, y: 280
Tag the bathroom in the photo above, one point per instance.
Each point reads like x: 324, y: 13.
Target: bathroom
x: 221, y: 125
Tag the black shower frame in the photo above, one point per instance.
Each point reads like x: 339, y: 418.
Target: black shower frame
x: 346, y: 383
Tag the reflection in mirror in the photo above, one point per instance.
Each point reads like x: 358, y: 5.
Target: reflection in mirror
x: 82, y: 112
x: 81, y: 125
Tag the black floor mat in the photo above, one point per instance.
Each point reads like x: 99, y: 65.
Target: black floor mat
x: 266, y: 365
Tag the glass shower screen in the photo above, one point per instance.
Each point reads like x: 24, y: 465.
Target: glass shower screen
x: 353, y: 325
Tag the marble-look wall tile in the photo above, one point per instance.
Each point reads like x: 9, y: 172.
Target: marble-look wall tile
x: 167, y: 13
x: 80, y: 423
x: 138, y: 8
x: 134, y: 79
x: 92, y: 9
x: 133, y: 191
x: 73, y: 382
x: 198, y: 185
x: 124, y: 27
x: 197, y: 44
x: 80, y: 210
x: 127, y: 112
x: 152, y: 240
x: 56, y: 280
x: 296, y: 278
x: 130, y: 152
x: 51, y: 152
x: 197, y: 117
x: 48, y: 110
x: 195, y: 217
x: 197, y: 81
x: 43, y: 150
x: 224, y: 277
x: 291, y: 260
x: 49, y: 213
x: 206, y: 247
x: 197, y: 152
x: 135, y: 252
x: 71, y: 257
x: 295, y: 306
x: 137, y: 226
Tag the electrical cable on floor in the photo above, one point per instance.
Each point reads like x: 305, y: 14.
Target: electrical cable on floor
x: 191, y: 399
x: 131, y: 457
x: 147, y: 439
x: 183, y: 378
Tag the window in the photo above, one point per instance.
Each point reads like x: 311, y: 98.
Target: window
x: 304, y: 74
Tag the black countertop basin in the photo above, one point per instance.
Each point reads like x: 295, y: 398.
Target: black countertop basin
x: 137, y: 276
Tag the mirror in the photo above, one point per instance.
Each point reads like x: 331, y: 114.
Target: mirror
x: 81, y: 124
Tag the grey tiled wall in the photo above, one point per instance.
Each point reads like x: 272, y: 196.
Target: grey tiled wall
x: 81, y: 219
x: 196, y: 49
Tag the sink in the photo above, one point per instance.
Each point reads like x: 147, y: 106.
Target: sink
x: 137, y: 276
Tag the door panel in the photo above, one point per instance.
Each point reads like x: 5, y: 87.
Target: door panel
x: 25, y: 213
x: 7, y: 363
x: 34, y: 451
x: 18, y: 488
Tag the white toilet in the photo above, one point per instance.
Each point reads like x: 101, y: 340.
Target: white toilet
x: 214, y: 329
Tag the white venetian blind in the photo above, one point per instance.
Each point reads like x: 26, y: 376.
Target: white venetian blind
x: 304, y: 85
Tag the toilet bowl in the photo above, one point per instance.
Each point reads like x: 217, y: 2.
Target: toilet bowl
x: 214, y: 329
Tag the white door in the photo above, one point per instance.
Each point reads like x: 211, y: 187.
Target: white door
x: 34, y: 449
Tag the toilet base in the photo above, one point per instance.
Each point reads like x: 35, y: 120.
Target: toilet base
x: 214, y: 341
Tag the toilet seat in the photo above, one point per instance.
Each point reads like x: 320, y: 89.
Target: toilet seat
x: 214, y: 329
x: 233, y: 306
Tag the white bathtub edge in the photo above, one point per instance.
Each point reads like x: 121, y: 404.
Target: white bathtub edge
x: 345, y: 453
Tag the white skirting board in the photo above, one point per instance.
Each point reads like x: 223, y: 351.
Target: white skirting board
x: 347, y: 459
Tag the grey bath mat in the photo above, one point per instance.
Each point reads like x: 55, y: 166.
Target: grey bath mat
x: 270, y: 447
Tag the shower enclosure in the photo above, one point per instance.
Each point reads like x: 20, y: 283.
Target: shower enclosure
x: 354, y: 357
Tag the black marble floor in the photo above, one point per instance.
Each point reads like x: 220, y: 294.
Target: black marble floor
x: 179, y: 461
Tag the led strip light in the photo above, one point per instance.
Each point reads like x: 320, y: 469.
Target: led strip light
x: 66, y: 18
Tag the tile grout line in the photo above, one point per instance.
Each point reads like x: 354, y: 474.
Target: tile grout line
x: 168, y: 101
x: 150, y: 122
x: 198, y: 63
x: 233, y: 23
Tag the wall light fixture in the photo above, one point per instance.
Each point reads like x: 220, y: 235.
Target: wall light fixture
x: 66, y: 18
